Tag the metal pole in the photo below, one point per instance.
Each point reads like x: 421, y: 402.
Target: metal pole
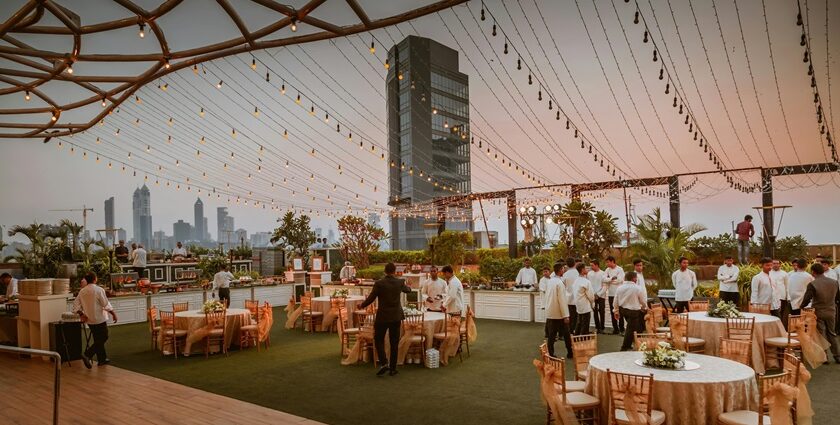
x: 57, y: 370
x: 626, y: 215
x: 511, y: 210
x: 767, y: 203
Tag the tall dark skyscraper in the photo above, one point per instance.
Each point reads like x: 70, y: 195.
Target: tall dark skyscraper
x: 428, y: 131
x: 109, y: 220
x: 200, y: 230
x: 141, y: 206
x: 224, y: 224
x: 181, y: 231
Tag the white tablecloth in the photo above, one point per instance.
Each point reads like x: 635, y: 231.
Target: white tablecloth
x: 192, y: 320
x: 686, y: 397
x: 322, y: 304
x: 712, y: 328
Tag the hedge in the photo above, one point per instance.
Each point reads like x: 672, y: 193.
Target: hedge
x: 422, y: 257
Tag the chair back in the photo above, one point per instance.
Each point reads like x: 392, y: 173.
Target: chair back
x: 679, y: 330
x: 795, y: 321
x: 737, y: 350
x: 740, y: 328
x: 414, y: 320
x: 252, y: 306
x: 342, y: 319
x: 760, y: 308
x: 215, y: 319
x: 651, y: 340
x: 337, y: 303
x: 306, y: 301
x: 622, y: 386
x: 543, y: 350
x: 765, y: 383
x: 559, y: 364
x: 152, y: 316
x: 790, y: 364
x: 698, y: 305
x: 167, y: 321
x: 366, y: 326
x: 451, y: 319
x: 176, y: 307
x: 584, y: 347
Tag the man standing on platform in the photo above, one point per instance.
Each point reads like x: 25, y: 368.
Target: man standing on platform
x: 779, y: 279
x: 121, y: 252
x: 631, y: 299
x: 527, y: 275
x: 596, y: 278
x: 92, y: 304
x: 823, y: 294
x: 744, y: 231
x: 557, y: 312
x: 583, y: 300
x: 798, y: 281
x: 454, y: 301
x: 728, y: 277
x: 684, y: 282
x: 433, y: 291
x: 613, y: 277
x: 138, y: 261
x: 762, y: 287
x: 389, y: 316
x: 569, y: 277
x: 221, y: 282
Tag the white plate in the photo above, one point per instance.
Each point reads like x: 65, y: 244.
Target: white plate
x: 689, y: 365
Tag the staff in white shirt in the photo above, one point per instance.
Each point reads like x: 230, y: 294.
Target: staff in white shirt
x: 179, y: 251
x: 631, y: 300
x: 557, y: 312
x: 348, y: 272
x: 454, y: 301
x: 684, y: 282
x: 543, y: 285
x: 221, y: 281
x: 8, y: 285
x: 569, y: 276
x: 798, y: 281
x: 527, y: 275
x: 596, y: 278
x: 92, y: 304
x: 639, y: 268
x: 138, y: 261
x: 762, y: 287
x: 779, y: 279
x: 829, y: 272
x: 613, y: 277
x: 727, y: 275
x: 433, y: 290
x: 584, y: 297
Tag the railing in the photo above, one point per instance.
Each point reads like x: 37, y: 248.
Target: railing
x: 56, y: 361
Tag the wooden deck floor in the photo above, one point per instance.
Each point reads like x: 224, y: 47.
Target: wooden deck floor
x: 110, y: 395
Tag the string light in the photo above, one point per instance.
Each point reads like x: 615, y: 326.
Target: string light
x: 142, y: 32
x: 27, y: 96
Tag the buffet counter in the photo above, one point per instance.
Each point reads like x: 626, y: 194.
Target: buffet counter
x: 166, y: 272
x: 503, y: 305
x: 133, y: 308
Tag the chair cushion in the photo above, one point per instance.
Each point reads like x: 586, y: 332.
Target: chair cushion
x: 248, y: 328
x: 573, y: 386
x: 156, y: 328
x: 741, y: 417
x: 176, y: 332
x: 351, y: 330
x: 696, y: 341
x: 217, y: 332
x: 439, y: 335
x: 416, y: 338
x: 577, y: 400
x: 780, y: 341
x: 313, y: 313
x: 656, y: 417
x: 583, y: 375
x: 663, y: 330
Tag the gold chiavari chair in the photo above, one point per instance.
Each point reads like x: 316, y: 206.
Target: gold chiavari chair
x: 313, y: 318
x: 216, y: 322
x: 178, y: 307
x: 651, y: 340
x: 737, y: 350
x: 585, y: 407
x: 748, y: 417
x: 698, y: 305
x: 640, y: 387
x: 760, y: 308
x: 171, y: 335
x: 740, y: 328
x: 154, y: 327
x: 584, y: 347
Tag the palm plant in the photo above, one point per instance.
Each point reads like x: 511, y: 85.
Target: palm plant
x: 33, y: 232
x: 659, y: 245
x: 75, y: 229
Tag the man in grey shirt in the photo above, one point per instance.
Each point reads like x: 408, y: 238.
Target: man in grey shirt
x: 823, y: 294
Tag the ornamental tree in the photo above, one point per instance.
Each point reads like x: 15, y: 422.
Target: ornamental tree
x: 294, y: 235
x: 359, y: 239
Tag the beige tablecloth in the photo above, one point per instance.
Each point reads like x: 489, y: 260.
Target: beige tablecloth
x: 193, y: 320
x: 322, y: 304
x: 693, y: 397
x: 711, y: 329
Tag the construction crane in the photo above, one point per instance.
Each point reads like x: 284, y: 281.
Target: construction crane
x: 84, y: 209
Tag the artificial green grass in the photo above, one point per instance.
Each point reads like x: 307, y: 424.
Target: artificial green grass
x: 301, y: 374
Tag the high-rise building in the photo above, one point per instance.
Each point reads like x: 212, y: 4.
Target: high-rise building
x: 200, y: 230
x: 428, y: 134
x: 240, y: 237
x: 224, y: 224
x: 206, y: 231
x: 260, y: 239
x: 181, y: 231
x: 121, y: 234
x: 109, y: 221
x: 142, y: 208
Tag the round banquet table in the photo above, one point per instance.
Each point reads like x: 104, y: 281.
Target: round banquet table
x: 193, y: 320
x: 322, y: 304
x: 686, y: 397
x: 711, y: 329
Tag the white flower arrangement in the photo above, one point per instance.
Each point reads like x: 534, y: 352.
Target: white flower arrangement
x: 411, y: 311
x: 663, y: 356
x: 341, y: 293
x: 724, y: 310
x: 212, y: 306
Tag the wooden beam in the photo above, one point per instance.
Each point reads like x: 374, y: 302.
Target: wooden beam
x: 360, y: 12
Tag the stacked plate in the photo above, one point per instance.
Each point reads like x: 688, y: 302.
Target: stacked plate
x: 43, y: 287
x: 23, y: 287
x: 60, y: 286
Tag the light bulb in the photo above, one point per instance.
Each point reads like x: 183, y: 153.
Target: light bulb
x: 283, y: 88
x: 253, y: 63
x: 27, y: 96
x: 219, y: 84
x: 372, y: 48
x: 70, y: 67
x: 294, y: 25
x: 166, y: 63
x: 142, y: 32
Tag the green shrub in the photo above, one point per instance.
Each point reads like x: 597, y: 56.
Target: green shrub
x: 507, y: 268
x: 473, y: 278
x: 373, y: 272
x: 409, y: 257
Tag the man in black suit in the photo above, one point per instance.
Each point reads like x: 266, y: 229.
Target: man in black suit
x: 389, y: 317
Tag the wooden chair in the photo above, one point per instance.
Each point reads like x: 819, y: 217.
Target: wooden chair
x: 465, y: 340
x: 418, y: 342
x: 347, y: 335
x: 252, y: 306
x: 313, y: 318
x: 365, y: 336
x: 737, y: 350
x: 216, y: 321
x: 690, y: 344
x: 154, y: 327
x: 748, y: 417
x: 585, y: 406
x: 439, y: 337
x: 177, y: 307
x: 760, y: 308
x: 698, y: 305
x: 170, y: 334
x: 336, y: 304
x: 643, y: 386
x: 584, y: 347
x: 650, y: 340
x: 250, y: 333
x: 776, y: 345
x: 570, y: 386
x: 659, y: 312
x: 740, y: 328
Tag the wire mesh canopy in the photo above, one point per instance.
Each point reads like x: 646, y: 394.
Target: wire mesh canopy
x: 772, y: 209
x: 47, y: 48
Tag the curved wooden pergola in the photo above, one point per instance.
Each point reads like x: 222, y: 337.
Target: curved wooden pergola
x: 39, y: 67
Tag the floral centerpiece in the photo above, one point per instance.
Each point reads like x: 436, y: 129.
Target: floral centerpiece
x: 411, y: 310
x: 212, y: 306
x: 663, y: 356
x: 724, y: 310
x: 341, y: 293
